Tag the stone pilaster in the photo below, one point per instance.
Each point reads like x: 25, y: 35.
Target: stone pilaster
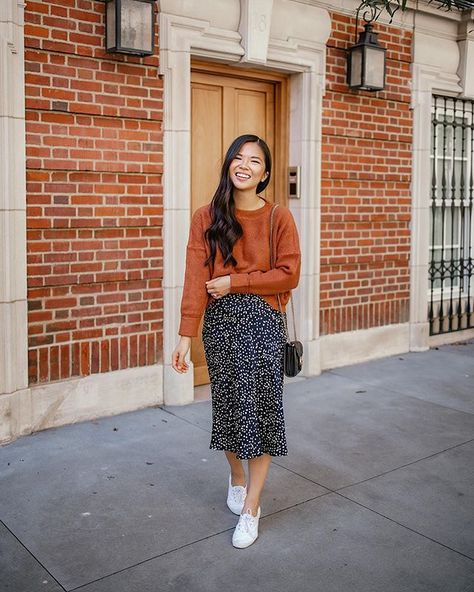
x: 14, y: 393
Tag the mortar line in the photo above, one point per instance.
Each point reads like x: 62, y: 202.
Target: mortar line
x: 33, y: 556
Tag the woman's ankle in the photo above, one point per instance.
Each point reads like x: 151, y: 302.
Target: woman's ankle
x: 253, y: 507
x: 238, y: 479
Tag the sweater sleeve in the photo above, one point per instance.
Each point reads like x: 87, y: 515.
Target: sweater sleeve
x: 286, y: 272
x: 195, y: 296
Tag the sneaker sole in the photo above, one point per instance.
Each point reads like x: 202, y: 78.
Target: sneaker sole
x: 236, y: 512
x: 244, y: 546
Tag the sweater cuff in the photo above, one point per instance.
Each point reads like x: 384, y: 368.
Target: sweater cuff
x: 189, y: 326
x: 239, y: 282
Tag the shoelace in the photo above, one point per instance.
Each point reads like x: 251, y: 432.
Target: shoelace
x: 246, y: 522
x: 238, y: 494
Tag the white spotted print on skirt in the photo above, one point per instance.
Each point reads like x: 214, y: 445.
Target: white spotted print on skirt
x: 243, y: 340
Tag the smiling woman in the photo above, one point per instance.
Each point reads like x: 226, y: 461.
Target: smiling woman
x: 229, y: 278
x: 247, y: 170
x: 245, y: 173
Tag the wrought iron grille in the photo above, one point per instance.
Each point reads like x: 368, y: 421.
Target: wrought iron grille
x: 451, y: 277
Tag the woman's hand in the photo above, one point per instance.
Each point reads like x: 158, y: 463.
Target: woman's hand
x: 177, y: 359
x: 218, y: 287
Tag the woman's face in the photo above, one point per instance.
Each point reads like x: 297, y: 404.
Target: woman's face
x: 247, y: 169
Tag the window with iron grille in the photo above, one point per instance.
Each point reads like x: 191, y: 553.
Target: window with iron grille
x: 451, y: 298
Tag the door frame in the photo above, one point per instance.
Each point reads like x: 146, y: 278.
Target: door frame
x: 184, y: 37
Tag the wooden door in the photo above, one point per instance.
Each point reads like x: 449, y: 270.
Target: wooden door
x: 225, y: 104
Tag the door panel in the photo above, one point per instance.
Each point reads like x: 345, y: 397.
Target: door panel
x: 206, y: 142
x: 222, y: 108
x: 252, y: 113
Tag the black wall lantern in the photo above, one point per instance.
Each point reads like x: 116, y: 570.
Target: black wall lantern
x: 366, y: 60
x: 130, y: 26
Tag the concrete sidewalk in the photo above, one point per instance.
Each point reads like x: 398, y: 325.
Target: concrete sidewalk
x: 376, y: 494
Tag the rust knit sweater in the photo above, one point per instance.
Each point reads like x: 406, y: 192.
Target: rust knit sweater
x: 252, y: 273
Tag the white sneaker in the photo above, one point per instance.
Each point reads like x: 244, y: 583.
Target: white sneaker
x: 246, y: 531
x: 236, y: 495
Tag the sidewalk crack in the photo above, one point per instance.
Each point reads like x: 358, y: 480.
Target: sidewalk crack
x: 405, y: 526
x: 413, y: 462
x: 33, y: 556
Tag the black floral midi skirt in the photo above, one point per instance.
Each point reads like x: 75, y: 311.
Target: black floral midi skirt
x: 244, y: 338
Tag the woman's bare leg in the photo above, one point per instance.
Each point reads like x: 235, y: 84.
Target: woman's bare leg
x: 237, y: 470
x: 258, y: 471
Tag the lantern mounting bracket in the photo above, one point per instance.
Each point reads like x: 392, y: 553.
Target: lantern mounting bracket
x: 371, y: 13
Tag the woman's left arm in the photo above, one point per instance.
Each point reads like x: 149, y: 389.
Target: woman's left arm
x: 286, y: 272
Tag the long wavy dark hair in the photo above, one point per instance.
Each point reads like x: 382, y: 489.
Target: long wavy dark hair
x: 225, y: 229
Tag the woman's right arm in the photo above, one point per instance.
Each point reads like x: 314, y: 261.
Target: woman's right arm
x: 195, y: 296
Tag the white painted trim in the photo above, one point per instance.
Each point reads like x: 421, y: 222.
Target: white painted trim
x: 427, y: 79
x: 466, y: 51
x: 182, y: 36
x: 80, y: 399
x: 14, y: 392
x: 354, y: 347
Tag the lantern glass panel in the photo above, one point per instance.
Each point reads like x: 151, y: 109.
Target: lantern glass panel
x: 111, y: 41
x: 356, y: 67
x: 374, y: 67
x: 136, y: 25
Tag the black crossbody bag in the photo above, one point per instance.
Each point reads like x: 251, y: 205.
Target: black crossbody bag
x: 293, y: 352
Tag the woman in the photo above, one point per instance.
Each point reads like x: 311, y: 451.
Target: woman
x: 229, y: 279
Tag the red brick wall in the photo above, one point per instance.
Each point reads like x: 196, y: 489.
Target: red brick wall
x: 366, y: 174
x: 94, y: 195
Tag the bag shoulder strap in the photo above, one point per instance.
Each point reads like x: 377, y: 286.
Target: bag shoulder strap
x: 272, y: 265
x: 272, y: 262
